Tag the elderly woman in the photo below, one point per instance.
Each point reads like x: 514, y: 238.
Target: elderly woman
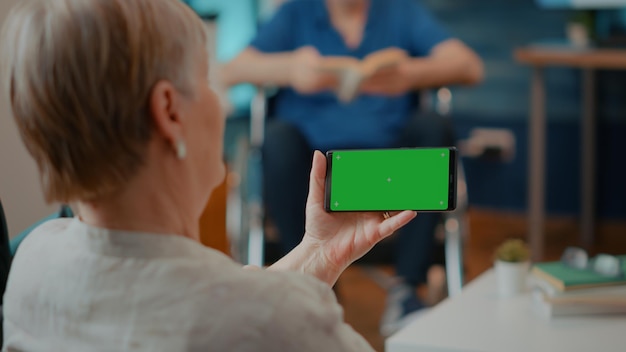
x: 112, y: 100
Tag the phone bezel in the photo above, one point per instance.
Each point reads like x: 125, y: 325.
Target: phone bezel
x: 452, y: 180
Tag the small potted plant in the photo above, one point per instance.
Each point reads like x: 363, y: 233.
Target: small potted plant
x: 511, y: 266
x: 580, y: 28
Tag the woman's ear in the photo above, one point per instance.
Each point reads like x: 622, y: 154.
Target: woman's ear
x: 165, y: 109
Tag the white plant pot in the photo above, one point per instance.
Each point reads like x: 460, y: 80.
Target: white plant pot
x: 511, y: 277
x: 578, y: 35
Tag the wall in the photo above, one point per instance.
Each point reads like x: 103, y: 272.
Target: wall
x: 495, y: 28
x: 19, y: 186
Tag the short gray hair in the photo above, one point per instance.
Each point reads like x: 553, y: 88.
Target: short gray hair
x: 79, y: 74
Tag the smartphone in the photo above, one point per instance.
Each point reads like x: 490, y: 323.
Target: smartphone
x: 422, y: 179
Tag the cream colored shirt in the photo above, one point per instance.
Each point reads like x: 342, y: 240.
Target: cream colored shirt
x: 73, y: 287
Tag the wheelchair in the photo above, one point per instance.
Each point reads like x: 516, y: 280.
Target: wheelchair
x: 245, y: 207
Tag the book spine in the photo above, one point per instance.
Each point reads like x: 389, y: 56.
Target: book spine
x: 545, y: 308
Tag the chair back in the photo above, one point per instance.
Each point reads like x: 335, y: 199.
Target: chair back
x: 4, y: 228
x: 5, y: 255
x: 213, y: 221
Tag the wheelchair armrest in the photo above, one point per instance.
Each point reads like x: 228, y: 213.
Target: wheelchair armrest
x: 436, y: 99
x: 258, y: 114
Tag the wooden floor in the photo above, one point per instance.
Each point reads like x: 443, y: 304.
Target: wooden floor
x: 364, y: 300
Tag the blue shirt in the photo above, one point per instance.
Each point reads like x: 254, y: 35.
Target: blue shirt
x: 368, y: 121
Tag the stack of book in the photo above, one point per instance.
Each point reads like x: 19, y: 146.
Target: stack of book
x: 559, y: 290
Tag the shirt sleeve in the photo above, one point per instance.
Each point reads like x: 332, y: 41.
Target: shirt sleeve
x: 276, y: 35
x: 424, y: 30
x: 308, y: 318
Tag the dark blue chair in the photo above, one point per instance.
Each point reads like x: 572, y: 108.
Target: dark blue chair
x: 5, y: 260
x: 63, y: 212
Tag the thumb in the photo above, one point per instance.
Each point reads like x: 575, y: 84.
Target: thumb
x: 310, y: 56
x: 317, y: 179
x: 310, y: 51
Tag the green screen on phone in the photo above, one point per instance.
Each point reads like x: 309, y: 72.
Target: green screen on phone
x: 391, y: 179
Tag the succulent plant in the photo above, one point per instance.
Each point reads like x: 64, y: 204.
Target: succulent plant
x: 513, y: 251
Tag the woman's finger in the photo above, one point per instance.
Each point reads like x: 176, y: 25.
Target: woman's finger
x: 318, y: 177
x: 395, y: 222
x: 394, y: 213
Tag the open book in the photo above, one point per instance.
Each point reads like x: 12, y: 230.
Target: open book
x: 351, y: 72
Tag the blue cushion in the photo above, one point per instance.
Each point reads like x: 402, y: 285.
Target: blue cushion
x: 14, y: 243
x: 236, y: 26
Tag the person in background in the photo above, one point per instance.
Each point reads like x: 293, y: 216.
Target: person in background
x: 112, y: 100
x: 289, y: 52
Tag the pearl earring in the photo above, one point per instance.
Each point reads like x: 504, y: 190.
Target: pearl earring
x: 181, y: 149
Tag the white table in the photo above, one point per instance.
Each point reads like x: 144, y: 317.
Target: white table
x: 478, y: 320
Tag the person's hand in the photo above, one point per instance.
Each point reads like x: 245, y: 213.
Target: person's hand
x: 335, y: 240
x: 387, y: 73
x: 306, y: 76
x: 390, y: 81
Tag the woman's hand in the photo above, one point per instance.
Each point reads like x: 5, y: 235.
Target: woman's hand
x: 332, y: 241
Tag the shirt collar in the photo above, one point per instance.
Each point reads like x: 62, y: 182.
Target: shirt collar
x: 322, y: 17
